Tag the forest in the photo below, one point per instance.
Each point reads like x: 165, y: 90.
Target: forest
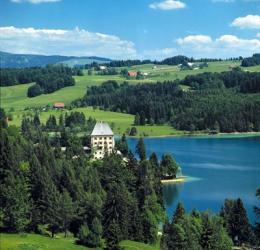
x: 47, y: 79
x: 251, y: 61
x: 223, y: 102
x: 175, y: 60
x: 49, y: 191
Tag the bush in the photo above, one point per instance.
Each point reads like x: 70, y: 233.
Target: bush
x: 34, y: 90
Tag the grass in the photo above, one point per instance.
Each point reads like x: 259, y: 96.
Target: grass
x: 133, y: 245
x: 38, y: 242
x: 16, y: 96
x: 119, y: 122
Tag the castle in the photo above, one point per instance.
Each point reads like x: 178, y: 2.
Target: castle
x: 102, y: 140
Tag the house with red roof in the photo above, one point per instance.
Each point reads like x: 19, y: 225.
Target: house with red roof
x: 132, y: 74
x: 59, y: 105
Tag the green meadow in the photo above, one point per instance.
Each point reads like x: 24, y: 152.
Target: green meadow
x: 119, y: 122
x: 38, y: 242
x: 14, y: 98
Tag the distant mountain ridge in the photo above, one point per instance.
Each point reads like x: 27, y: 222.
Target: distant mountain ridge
x: 9, y: 60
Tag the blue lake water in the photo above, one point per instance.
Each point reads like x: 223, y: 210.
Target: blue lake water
x: 219, y: 168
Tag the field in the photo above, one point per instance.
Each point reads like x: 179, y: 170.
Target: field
x: 38, y: 242
x: 14, y: 98
x: 119, y: 122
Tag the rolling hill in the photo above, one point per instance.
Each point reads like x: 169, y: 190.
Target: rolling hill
x: 9, y: 60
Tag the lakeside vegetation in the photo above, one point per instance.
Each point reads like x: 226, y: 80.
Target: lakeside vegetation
x: 103, y: 204
x: 219, y: 102
x: 14, y: 98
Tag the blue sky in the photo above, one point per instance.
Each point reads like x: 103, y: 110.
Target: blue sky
x: 118, y: 29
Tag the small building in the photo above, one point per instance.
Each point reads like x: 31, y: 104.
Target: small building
x: 102, y: 67
x: 102, y: 140
x: 59, y: 105
x: 132, y: 73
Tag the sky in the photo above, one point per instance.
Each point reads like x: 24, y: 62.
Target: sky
x: 131, y: 29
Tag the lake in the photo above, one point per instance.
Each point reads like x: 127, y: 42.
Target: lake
x: 218, y: 168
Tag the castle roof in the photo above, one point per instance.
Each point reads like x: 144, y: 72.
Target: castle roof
x: 102, y: 128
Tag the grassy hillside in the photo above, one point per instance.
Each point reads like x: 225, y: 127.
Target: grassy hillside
x: 38, y: 242
x: 15, y: 96
x: 119, y: 122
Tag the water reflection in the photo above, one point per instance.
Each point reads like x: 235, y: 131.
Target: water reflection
x: 171, y: 193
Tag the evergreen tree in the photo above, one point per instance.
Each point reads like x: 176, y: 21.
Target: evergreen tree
x: 36, y: 120
x: 3, y: 117
x: 179, y: 213
x: 67, y: 210
x: 169, y: 167
x: 15, y: 203
x: 236, y: 221
x: 140, y: 149
x: 53, y: 209
x: 137, y: 119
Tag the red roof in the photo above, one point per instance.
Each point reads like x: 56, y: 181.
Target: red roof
x: 132, y: 73
x: 59, y: 105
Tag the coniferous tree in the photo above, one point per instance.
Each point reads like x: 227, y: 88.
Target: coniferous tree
x: 236, y: 221
x: 140, y: 149
x: 169, y: 167
x: 36, y: 120
x: 179, y: 213
x: 15, y: 203
x: 67, y: 210
x: 137, y: 119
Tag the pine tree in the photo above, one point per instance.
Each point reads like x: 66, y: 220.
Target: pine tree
x: 53, y: 209
x: 36, y: 120
x: 15, y: 203
x: 140, y: 149
x: 67, y: 210
x: 137, y: 119
x: 113, y: 236
x: 3, y: 117
x: 169, y: 167
x: 179, y: 213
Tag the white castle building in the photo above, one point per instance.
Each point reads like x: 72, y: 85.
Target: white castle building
x: 102, y: 140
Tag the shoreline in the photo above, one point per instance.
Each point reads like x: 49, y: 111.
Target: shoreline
x: 205, y: 135
x: 175, y: 180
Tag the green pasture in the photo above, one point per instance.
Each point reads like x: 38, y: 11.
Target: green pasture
x: 119, y: 122
x: 39, y: 242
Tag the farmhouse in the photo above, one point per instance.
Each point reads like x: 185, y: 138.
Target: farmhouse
x: 102, y: 140
x: 101, y: 67
x: 59, y: 105
x: 132, y: 74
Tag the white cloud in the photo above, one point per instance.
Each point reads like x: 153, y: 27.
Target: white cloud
x: 258, y: 35
x: 249, y: 21
x: 221, y: 47
x: 168, y: 5
x: 76, y: 42
x: 34, y: 1
x: 194, y: 39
